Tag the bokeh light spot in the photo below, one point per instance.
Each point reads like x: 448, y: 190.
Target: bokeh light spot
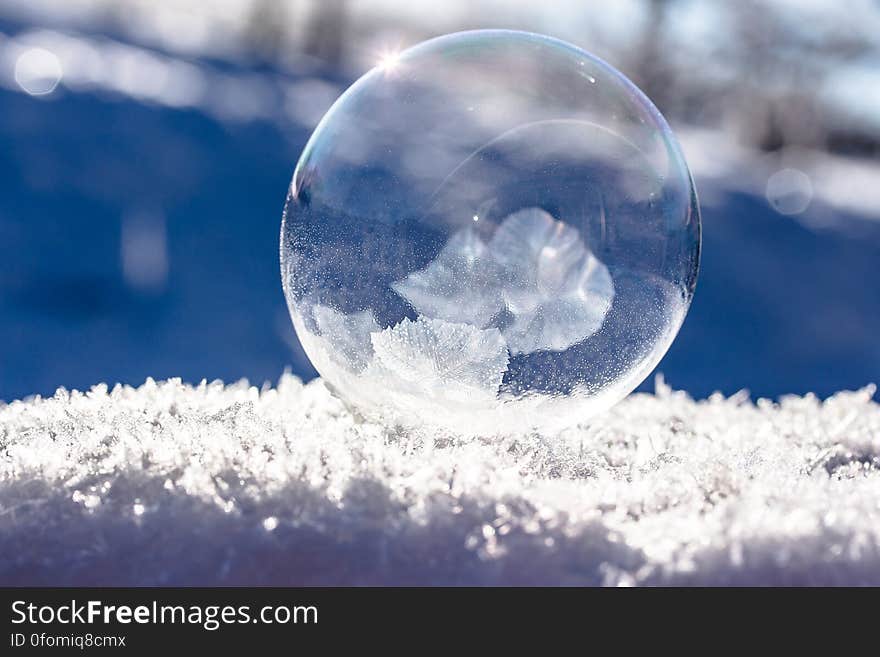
x: 38, y: 71
x: 789, y: 191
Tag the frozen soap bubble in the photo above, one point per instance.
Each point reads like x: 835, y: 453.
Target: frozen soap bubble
x: 492, y: 231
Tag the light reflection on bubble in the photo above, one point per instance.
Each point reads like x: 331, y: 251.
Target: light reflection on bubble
x: 38, y: 71
x: 388, y: 61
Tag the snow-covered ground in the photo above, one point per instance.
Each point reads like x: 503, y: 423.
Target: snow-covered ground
x: 173, y: 484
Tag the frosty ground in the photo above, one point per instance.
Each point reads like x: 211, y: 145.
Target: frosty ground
x: 211, y: 484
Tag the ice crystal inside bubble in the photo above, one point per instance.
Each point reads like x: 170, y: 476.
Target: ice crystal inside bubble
x: 535, y: 269
x: 496, y: 231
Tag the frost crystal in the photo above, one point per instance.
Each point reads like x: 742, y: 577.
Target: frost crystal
x: 556, y: 289
x: 349, y: 335
x: 536, y: 268
x: 170, y: 484
x: 442, y: 358
x: 460, y: 285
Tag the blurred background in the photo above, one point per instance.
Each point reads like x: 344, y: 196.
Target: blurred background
x: 146, y: 147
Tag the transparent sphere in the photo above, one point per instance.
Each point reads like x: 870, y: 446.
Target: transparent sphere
x: 491, y: 231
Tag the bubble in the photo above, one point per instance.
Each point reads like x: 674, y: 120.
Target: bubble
x: 491, y: 231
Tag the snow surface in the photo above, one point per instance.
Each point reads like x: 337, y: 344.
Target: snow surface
x: 214, y: 484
